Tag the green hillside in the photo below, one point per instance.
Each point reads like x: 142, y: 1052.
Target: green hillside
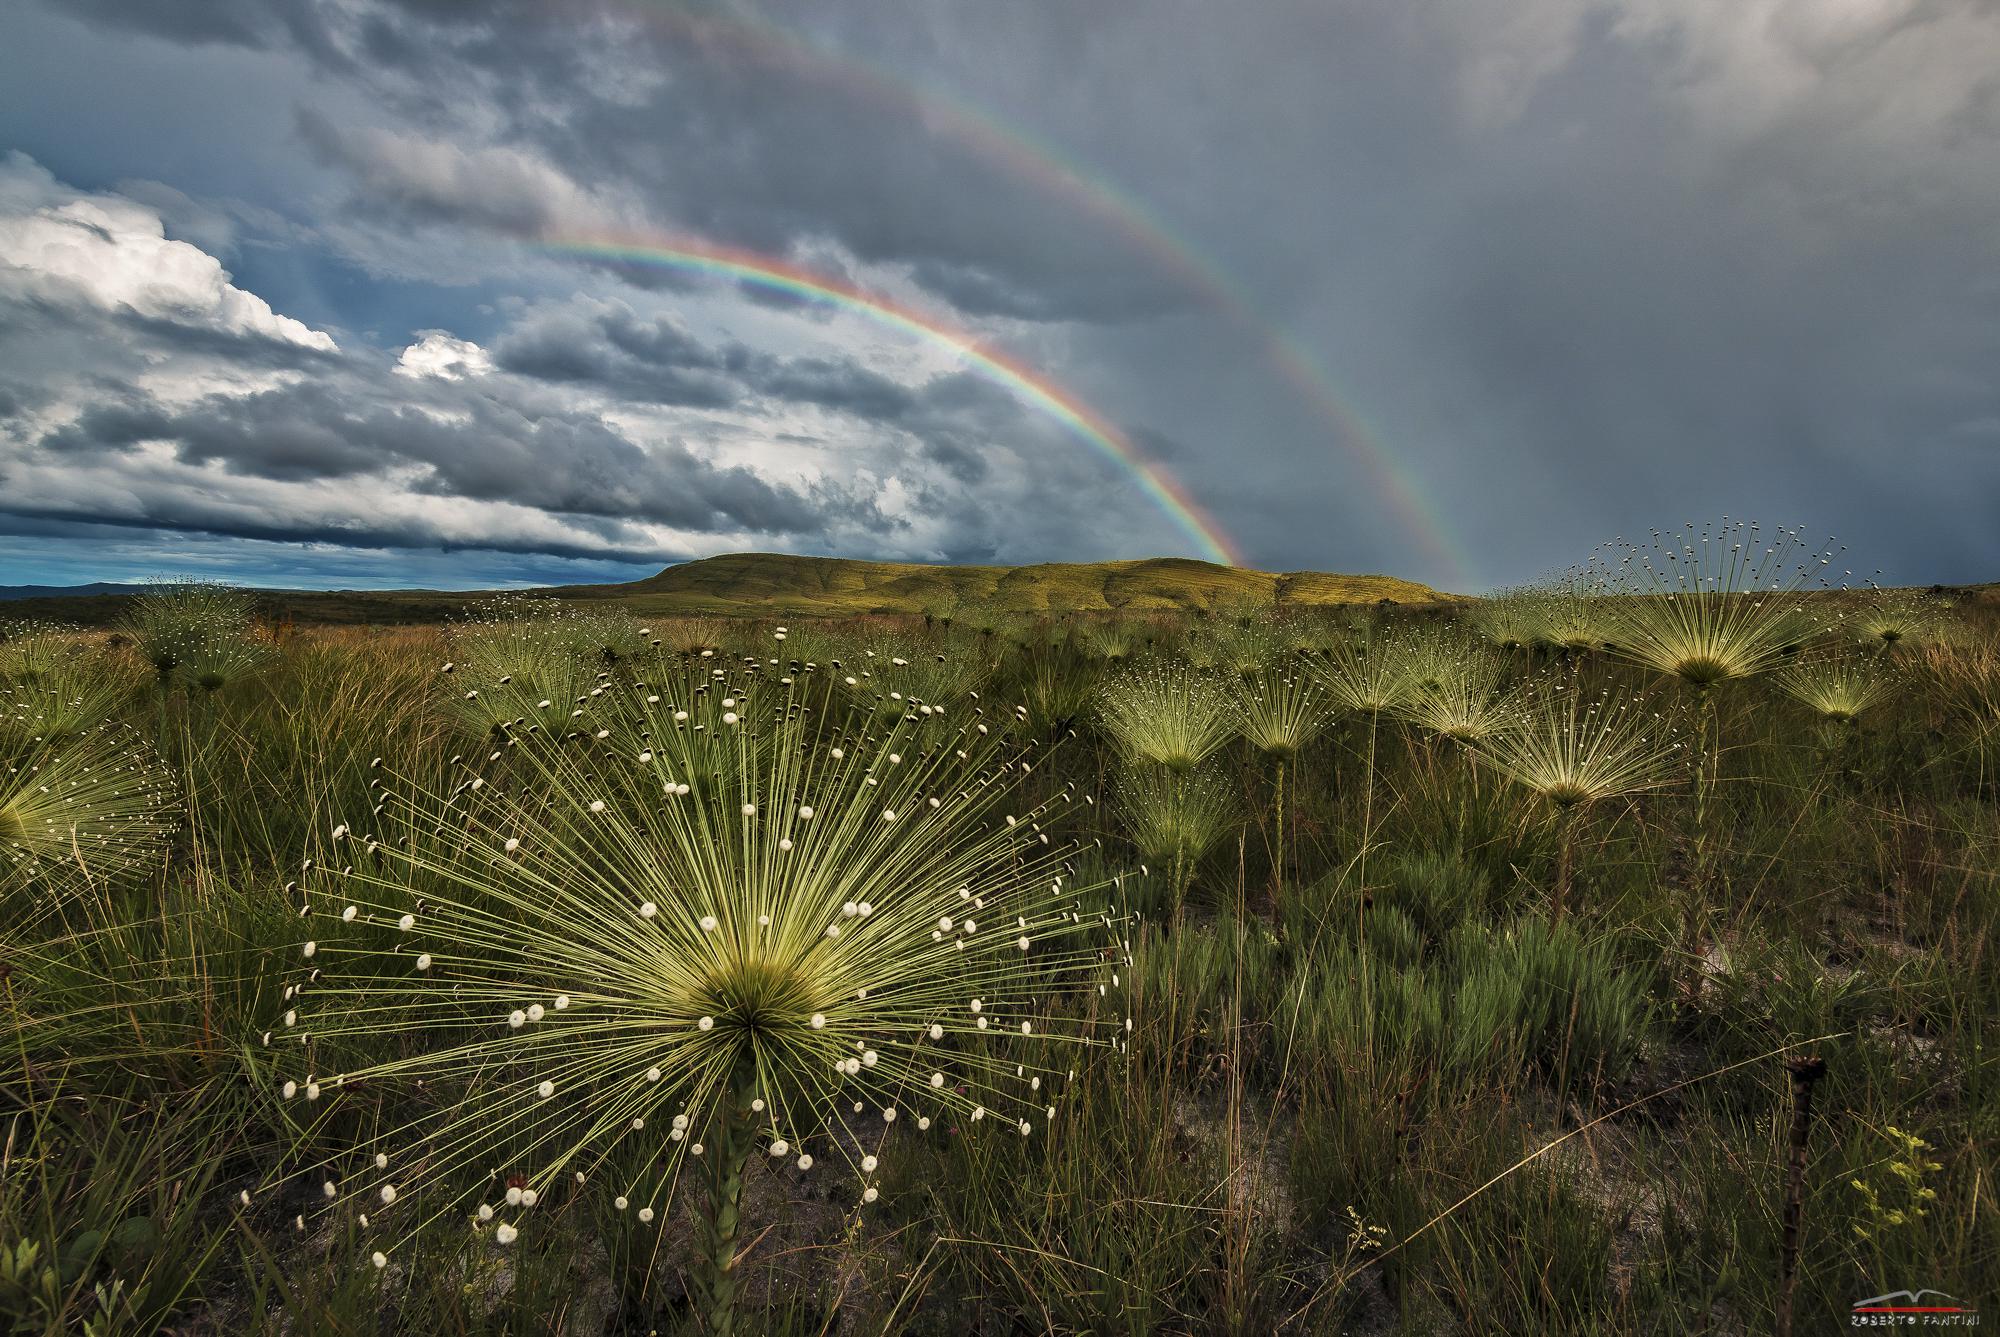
x: 769, y: 583
x: 772, y: 584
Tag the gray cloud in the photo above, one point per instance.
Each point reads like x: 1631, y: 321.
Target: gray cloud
x: 1407, y: 285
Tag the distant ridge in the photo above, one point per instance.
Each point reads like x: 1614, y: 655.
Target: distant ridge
x: 758, y: 584
x: 65, y: 591
x: 772, y: 583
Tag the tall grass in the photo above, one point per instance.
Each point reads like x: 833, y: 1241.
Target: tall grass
x: 1430, y: 1044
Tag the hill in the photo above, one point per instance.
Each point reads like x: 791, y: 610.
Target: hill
x: 772, y: 584
x: 776, y: 585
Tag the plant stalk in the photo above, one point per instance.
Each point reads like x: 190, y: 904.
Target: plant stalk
x: 718, y: 1278
x: 1805, y: 1071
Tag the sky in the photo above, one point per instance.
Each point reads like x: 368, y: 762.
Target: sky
x: 473, y: 293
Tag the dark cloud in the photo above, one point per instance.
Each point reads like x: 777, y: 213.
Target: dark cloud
x: 486, y: 450
x: 654, y: 362
x: 1428, y: 286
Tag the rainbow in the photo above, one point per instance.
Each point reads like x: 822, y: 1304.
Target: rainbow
x: 1058, y: 174
x: 696, y: 256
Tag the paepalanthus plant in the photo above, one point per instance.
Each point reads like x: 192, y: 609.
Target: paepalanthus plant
x: 1573, y: 748
x: 80, y: 809
x: 737, y: 913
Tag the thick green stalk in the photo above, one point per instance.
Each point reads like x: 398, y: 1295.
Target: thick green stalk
x: 1566, y: 859
x: 1278, y: 864
x: 735, y: 1136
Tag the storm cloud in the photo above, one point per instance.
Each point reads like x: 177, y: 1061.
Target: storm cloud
x: 1417, y: 286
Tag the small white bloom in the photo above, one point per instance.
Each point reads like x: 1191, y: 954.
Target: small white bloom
x: 505, y: 1234
x: 546, y: 1089
x: 388, y: 1194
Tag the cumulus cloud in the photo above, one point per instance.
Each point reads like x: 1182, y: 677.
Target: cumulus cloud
x: 436, y: 353
x: 62, y: 247
x: 583, y: 428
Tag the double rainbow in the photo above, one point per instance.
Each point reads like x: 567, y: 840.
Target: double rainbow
x: 695, y: 256
x: 804, y: 55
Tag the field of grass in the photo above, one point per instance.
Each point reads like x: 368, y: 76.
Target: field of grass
x: 1352, y: 970
x: 776, y: 585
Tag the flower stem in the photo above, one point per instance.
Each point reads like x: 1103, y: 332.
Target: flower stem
x: 735, y: 1136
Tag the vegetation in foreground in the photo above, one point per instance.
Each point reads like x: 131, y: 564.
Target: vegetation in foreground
x: 1362, y: 970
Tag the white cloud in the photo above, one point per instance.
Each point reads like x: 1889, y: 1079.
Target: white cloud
x: 65, y: 247
x: 438, y: 354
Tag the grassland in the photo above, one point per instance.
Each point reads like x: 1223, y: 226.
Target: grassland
x: 1422, y: 1039
x: 775, y: 585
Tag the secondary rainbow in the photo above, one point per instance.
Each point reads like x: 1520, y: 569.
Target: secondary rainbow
x: 691, y: 255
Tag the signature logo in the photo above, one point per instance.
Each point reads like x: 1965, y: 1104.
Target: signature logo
x: 1919, y: 1308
